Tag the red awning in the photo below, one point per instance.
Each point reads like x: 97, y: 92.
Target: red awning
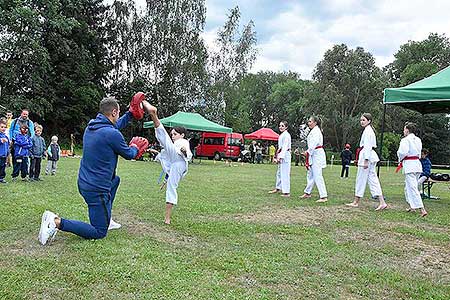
x: 263, y: 134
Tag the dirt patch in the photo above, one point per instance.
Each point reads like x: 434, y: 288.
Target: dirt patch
x: 161, y: 233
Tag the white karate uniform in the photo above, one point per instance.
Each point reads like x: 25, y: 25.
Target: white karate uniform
x: 317, y: 161
x: 283, y: 179
x: 411, y: 145
x: 369, y: 175
x: 172, y: 161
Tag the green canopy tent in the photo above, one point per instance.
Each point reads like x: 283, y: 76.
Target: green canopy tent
x: 191, y: 121
x: 429, y: 95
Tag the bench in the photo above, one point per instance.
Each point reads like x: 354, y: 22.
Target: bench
x: 427, y: 185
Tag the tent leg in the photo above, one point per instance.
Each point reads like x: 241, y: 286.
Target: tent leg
x: 382, y: 137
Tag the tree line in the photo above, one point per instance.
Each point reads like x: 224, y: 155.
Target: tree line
x: 60, y: 57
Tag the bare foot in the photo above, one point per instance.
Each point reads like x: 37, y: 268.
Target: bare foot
x: 424, y: 213
x: 167, y: 222
x: 286, y: 195
x: 410, y: 210
x: 304, y: 196
x: 274, y: 191
x: 381, y: 207
x: 322, y: 200
x: 150, y: 108
x: 353, y: 204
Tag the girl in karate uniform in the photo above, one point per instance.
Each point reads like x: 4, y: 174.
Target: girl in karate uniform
x: 367, y: 160
x: 315, y: 160
x: 174, y: 157
x: 408, y: 155
x: 283, y: 159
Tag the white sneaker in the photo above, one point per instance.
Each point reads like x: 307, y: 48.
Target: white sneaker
x: 48, y: 228
x: 113, y: 225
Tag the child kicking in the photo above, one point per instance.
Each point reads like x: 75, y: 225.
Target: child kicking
x: 174, y: 157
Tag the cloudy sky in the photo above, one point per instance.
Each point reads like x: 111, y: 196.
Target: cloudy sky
x: 294, y: 34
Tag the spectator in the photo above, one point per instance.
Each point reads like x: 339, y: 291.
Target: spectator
x: 346, y: 158
x: 17, y: 123
x: 9, y: 119
x: 271, y: 153
x: 426, y: 167
x: 4, y: 149
x: 297, y: 156
x: 252, y: 150
x: 37, y: 152
x: 53, y: 154
x: 259, y: 153
x: 22, y: 146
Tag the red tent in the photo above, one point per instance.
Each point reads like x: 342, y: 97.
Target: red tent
x: 263, y: 134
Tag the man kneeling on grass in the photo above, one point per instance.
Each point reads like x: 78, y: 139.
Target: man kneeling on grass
x: 97, y: 179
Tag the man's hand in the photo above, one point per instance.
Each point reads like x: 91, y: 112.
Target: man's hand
x: 140, y: 143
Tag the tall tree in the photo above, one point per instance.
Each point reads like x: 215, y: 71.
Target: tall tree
x: 227, y: 66
x: 348, y: 84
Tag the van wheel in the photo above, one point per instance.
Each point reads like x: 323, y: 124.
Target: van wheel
x: 217, y: 156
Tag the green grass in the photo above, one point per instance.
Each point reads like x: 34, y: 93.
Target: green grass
x: 229, y: 239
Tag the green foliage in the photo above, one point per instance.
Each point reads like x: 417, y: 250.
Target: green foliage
x: 348, y: 83
x: 391, y: 141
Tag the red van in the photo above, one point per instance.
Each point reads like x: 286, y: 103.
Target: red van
x: 220, y: 145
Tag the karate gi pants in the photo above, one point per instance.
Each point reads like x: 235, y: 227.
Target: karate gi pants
x: 314, y: 176
x: 367, y: 176
x: 283, y: 179
x: 99, y: 206
x: 172, y: 163
x: 412, y: 193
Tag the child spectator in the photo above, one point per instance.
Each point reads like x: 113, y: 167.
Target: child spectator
x: 9, y: 119
x: 22, y: 146
x: 346, y: 158
x: 426, y: 167
x: 4, y: 149
x: 53, y: 154
x: 37, y: 152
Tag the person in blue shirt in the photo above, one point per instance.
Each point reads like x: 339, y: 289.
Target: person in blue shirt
x: 4, y: 149
x: 97, y: 179
x: 22, y: 147
x: 426, y: 167
x: 36, y: 153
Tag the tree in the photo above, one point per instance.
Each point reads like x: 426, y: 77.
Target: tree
x: 227, y: 66
x: 348, y: 84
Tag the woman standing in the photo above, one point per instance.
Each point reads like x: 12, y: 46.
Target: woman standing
x: 408, y: 155
x: 315, y: 160
x: 283, y: 159
x: 367, y: 159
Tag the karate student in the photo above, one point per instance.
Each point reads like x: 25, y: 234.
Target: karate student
x: 315, y: 160
x: 408, y: 155
x: 367, y: 159
x: 283, y: 159
x: 174, y: 158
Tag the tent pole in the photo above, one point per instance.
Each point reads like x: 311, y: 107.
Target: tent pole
x: 382, y: 136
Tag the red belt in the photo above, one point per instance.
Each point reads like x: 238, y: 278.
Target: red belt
x: 307, y: 157
x: 400, y: 165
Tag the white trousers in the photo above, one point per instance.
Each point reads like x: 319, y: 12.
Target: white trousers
x: 421, y: 180
x: 172, y: 164
x: 412, y: 193
x: 283, y: 181
x: 367, y: 176
x: 314, y: 176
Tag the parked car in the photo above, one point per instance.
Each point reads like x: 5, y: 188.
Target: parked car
x: 216, y: 145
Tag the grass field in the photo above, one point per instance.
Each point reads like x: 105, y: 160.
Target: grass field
x: 229, y: 239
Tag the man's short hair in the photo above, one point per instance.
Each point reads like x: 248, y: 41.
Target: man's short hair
x: 107, y: 105
x: 3, y: 121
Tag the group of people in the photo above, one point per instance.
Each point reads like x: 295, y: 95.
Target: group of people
x: 257, y: 152
x: 98, y: 182
x: 23, y: 147
x: 409, y: 155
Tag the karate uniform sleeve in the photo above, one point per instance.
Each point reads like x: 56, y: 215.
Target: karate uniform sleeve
x: 282, y: 147
x: 369, y: 142
x: 313, y: 141
x: 124, y: 120
x: 403, y: 149
x: 119, y: 145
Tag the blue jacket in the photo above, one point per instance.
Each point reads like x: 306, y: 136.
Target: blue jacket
x: 22, y: 145
x: 4, y: 147
x: 38, y: 148
x: 426, y: 166
x: 102, y: 143
x: 15, y: 127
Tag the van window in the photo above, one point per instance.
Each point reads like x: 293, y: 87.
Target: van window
x: 234, y: 142
x: 213, y: 141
